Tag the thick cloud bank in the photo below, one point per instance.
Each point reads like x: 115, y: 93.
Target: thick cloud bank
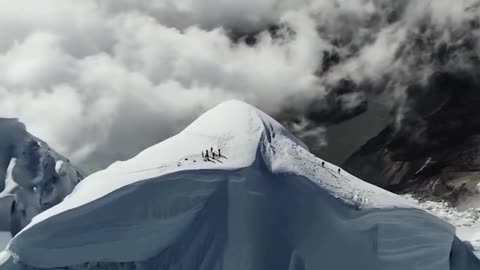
x: 100, y: 80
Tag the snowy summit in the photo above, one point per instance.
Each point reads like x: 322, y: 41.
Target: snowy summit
x: 234, y: 190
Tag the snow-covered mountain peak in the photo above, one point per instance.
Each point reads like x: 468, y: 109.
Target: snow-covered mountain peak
x: 243, y: 135
x: 234, y: 127
x: 227, y: 117
x: 258, y: 187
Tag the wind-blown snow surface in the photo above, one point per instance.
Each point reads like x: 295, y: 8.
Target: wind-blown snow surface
x: 266, y: 203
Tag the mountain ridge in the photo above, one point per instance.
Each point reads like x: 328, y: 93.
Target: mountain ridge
x: 262, y: 191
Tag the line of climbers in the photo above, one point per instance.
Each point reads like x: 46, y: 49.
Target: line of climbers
x: 207, y: 155
x: 323, y: 165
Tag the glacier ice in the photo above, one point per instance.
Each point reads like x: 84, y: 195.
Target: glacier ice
x: 267, y: 203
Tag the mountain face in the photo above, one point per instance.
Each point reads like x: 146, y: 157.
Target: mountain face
x: 412, y: 126
x: 432, y: 151
x: 263, y: 201
x: 33, y: 177
x: 398, y: 89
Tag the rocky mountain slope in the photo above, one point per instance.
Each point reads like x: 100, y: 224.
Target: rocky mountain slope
x: 432, y: 151
x: 402, y: 96
x: 33, y: 177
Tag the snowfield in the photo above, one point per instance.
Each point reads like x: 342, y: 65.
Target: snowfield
x: 237, y: 129
x: 263, y: 202
x: 466, y: 222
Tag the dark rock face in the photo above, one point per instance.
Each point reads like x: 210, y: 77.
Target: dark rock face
x: 39, y: 178
x: 432, y: 150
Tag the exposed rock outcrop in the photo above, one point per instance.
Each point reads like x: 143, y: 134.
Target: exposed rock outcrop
x: 433, y: 149
x: 33, y: 177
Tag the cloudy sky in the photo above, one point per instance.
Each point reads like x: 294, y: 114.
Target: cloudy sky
x: 101, y: 80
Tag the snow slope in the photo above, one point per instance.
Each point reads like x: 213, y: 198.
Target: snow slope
x: 467, y: 222
x: 266, y: 203
x: 237, y: 129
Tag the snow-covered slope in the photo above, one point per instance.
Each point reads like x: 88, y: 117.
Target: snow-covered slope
x: 33, y: 177
x: 238, y: 130
x: 467, y: 222
x: 264, y: 203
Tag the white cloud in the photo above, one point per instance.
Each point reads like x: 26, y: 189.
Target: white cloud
x: 100, y: 80
x: 243, y: 15
x: 102, y: 98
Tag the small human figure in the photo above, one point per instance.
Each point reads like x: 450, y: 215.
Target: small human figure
x: 206, y: 154
x: 339, y: 170
x: 219, y: 153
x: 213, y: 155
x: 203, y: 155
x: 323, y: 163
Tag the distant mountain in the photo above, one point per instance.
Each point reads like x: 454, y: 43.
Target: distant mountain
x: 432, y: 151
x: 234, y: 190
x: 33, y: 177
x: 398, y: 99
